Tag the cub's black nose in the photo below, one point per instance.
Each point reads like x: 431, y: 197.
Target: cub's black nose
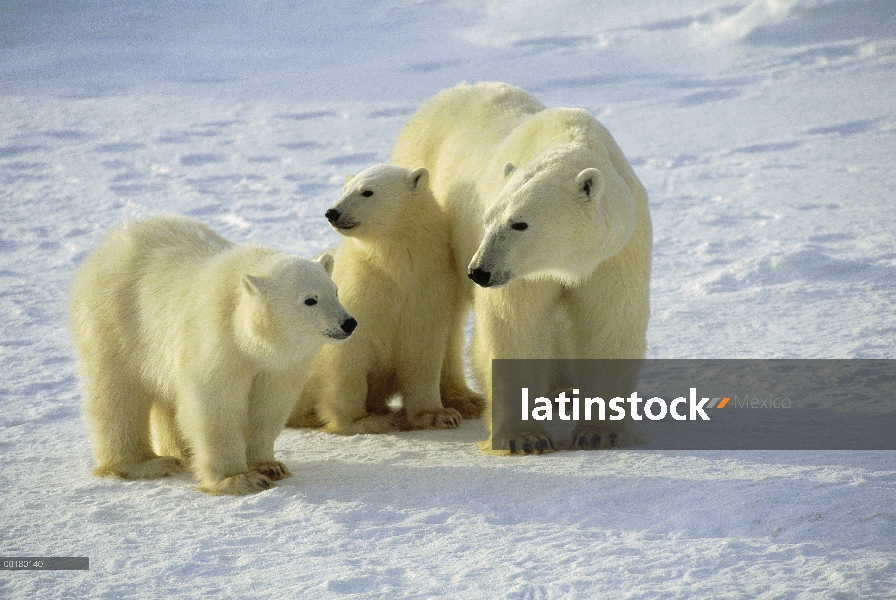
x: 480, y: 277
x: 349, y: 325
x: 332, y: 215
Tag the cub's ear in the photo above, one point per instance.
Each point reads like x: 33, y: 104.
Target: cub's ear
x: 327, y: 261
x: 346, y: 181
x: 508, y: 169
x: 253, y: 285
x: 418, y: 179
x: 590, y: 183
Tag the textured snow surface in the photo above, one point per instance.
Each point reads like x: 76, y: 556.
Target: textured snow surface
x: 765, y: 133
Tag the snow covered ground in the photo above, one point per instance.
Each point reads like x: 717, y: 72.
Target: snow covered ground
x: 765, y: 133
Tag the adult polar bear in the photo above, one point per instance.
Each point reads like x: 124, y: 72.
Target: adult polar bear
x: 551, y: 222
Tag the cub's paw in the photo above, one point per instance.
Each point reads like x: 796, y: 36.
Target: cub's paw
x: 521, y: 443
x: 154, y: 468
x: 239, y: 485
x: 369, y: 424
x: 468, y: 403
x: 274, y: 470
x: 444, y: 418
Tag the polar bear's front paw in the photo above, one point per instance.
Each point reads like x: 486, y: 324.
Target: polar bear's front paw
x: 469, y: 404
x: 273, y: 470
x: 584, y: 438
x: 239, y: 485
x: 444, y: 418
x: 588, y: 439
x: 154, y: 468
x: 369, y: 424
x: 524, y: 443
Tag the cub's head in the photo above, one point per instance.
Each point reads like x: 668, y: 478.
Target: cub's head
x: 373, y: 202
x: 557, y: 217
x: 288, y: 308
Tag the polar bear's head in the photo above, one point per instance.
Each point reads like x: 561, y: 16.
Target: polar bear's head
x: 558, y: 217
x: 373, y: 201
x: 288, y: 307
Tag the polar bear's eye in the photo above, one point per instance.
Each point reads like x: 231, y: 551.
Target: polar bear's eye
x: 310, y: 301
x: 367, y: 193
x: 519, y: 226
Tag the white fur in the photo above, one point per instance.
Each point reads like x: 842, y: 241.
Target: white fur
x: 575, y: 282
x: 394, y: 271
x: 214, y: 340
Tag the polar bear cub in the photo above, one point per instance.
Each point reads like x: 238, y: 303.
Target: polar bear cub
x: 170, y: 318
x: 394, y: 271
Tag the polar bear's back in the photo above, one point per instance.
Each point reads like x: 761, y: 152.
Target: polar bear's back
x: 159, y: 252
x: 130, y: 293
x: 453, y: 132
x: 167, y: 239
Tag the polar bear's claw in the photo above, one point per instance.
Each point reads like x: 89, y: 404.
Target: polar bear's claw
x: 588, y: 439
x: 527, y: 443
x: 591, y: 439
x: 274, y: 470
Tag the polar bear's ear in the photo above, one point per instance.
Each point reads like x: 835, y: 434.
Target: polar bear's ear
x: 590, y: 183
x: 253, y: 285
x: 346, y: 180
x: 327, y: 261
x: 418, y: 179
x: 508, y: 169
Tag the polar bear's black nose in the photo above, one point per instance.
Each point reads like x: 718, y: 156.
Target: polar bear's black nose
x: 480, y: 277
x: 349, y: 325
x: 332, y: 215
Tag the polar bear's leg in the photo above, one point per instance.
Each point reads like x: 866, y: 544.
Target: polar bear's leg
x: 304, y: 412
x: 453, y: 385
x: 492, y: 339
x: 166, y: 436
x: 269, y: 407
x: 418, y: 381
x: 118, y: 414
x: 343, y: 397
x: 607, y: 379
x: 509, y: 435
x: 213, y: 416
